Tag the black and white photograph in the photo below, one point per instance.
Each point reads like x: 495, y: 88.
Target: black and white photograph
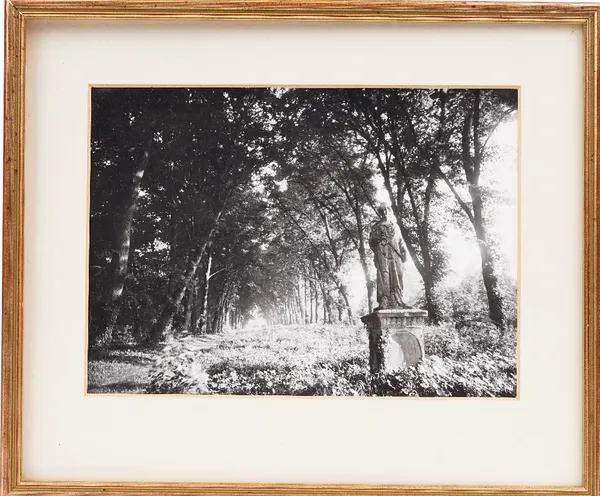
x: 293, y: 241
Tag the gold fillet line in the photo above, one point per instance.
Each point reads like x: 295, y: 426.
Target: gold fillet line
x: 13, y: 250
x: 191, y: 15
x: 590, y: 258
x: 253, y: 488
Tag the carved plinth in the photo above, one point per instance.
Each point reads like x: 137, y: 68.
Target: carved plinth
x: 395, y: 338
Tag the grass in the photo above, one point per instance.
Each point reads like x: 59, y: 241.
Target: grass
x: 296, y: 346
x: 120, y: 371
x: 311, y: 360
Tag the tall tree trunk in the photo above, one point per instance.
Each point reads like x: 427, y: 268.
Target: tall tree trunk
x: 433, y: 312
x: 368, y: 280
x: 430, y: 301
x: 196, y: 307
x: 316, y: 303
x: 310, y: 283
x: 343, y: 290
x: 104, y: 319
x: 490, y: 279
x: 205, y: 291
x: 362, y: 255
x: 326, y: 306
x: 472, y: 167
x: 299, y: 301
x: 173, y: 298
x: 189, y: 303
x: 305, y: 301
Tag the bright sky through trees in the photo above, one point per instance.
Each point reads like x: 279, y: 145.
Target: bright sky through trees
x: 210, y: 206
x: 500, y: 174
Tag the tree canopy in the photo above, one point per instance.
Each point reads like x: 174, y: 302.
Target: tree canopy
x: 213, y: 206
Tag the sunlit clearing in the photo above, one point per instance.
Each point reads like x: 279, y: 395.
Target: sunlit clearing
x: 256, y: 321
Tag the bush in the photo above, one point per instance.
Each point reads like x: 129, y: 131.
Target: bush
x: 465, y: 304
x: 483, y: 374
x: 178, y: 371
x: 343, y: 378
x: 448, y: 342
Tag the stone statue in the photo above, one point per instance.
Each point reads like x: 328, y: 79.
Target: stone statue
x: 390, y: 254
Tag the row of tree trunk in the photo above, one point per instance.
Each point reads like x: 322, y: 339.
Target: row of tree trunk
x: 200, y: 300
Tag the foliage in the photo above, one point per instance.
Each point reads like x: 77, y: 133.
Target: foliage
x: 465, y: 304
x: 297, y: 360
x: 333, y: 360
x: 473, y: 361
x: 177, y: 370
x: 212, y: 205
x: 483, y: 374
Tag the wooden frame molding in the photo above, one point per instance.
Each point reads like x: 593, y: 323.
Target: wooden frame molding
x: 19, y: 12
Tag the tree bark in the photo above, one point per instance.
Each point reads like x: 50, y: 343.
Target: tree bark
x: 205, y: 291
x: 196, y: 307
x: 311, y: 302
x: 106, y: 315
x: 472, y: 168
x: 189, y: 303
x: 174, y: 297
x: 299, y: 301
x: 362, y: 255
x: 326, y: 306
x: 305, y: 301
x: 316, y: 303
x: 488, y: 273
x: 343, y: 290
x: 430, y: 301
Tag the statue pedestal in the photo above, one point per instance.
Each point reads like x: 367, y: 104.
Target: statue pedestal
x: 395, y: 338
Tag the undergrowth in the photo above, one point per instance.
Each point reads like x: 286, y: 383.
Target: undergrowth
x: 333, y: 360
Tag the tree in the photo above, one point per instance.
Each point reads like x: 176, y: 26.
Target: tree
x: 210, y: 205
x: 334, y: 174
x: 375, y: 124
x: 120, y: 155
x: 387, y: 130
x: 234, y: 149
x: 479, y: 113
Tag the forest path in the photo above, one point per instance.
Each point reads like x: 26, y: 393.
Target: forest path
x: 128, y: 371
x: 246, y: 355
x: 262, y: 359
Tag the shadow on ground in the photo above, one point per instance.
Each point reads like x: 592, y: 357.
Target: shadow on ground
x: 122, y: 371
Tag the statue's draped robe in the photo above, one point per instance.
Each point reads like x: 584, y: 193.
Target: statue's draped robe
x: 386, y: 242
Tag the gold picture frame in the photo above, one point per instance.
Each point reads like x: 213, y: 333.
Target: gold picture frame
x: 19, y: 12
